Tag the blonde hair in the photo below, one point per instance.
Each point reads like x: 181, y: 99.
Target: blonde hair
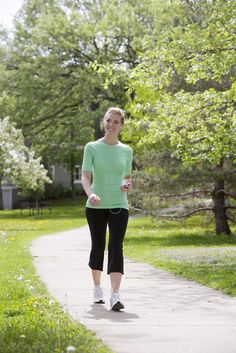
x: 116, y: 111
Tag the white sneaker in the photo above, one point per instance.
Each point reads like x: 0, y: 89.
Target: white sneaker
x: 115, y: 301
x: 98, y: 295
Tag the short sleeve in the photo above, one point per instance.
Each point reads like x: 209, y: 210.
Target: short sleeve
x: 87, y: 164
x: 129, y: 160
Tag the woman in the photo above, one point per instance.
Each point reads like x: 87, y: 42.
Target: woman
x: 106, y: 178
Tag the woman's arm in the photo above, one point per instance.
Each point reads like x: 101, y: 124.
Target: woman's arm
x: 86, y: 183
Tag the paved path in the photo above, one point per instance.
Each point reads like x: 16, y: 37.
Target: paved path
x: 164, y: 314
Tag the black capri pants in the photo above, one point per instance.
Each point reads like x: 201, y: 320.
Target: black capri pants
x: 117, y: 220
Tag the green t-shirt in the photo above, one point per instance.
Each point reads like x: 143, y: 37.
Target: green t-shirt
x: 109, y: 164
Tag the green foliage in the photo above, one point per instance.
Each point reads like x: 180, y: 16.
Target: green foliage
x: 58, y: 99
x: 184, y: 101
x: 57, y: 191
x: 189, y: 79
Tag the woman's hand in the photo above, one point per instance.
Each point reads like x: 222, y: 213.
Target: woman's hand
x: 126, y: 185
x: 94, y: 199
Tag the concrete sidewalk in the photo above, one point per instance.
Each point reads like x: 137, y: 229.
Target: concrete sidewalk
x: 163, y: 313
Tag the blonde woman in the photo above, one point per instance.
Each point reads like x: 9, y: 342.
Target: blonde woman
x: 106, y: 179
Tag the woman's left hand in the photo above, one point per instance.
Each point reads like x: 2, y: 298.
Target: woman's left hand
x: 126, y: 186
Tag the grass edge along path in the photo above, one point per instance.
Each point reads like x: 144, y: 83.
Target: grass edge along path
x: 188, y: 248
x: 30, y: 320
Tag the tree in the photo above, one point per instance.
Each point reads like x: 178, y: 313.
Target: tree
x: 185, y: 94
x: 48, y: 73
x: 18, y: 163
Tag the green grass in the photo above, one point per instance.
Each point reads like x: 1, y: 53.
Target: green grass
x: 188, y: 248
x: 30, y: 321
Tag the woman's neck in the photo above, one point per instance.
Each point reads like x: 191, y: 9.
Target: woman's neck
x: 110, y: 140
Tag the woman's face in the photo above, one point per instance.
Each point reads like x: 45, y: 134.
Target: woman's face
x: 112, y: 124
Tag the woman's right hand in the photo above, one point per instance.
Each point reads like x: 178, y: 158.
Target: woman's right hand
x: 94, y: 199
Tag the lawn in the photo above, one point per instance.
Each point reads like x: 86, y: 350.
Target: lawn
x: 188, y: 248
x: 30, y: 321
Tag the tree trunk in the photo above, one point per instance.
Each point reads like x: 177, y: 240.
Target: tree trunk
x: 219, y: 209
x: 98, y: 133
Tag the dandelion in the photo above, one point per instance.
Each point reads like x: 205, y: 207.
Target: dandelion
x: 30, y: 301
x: 70, y: 349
